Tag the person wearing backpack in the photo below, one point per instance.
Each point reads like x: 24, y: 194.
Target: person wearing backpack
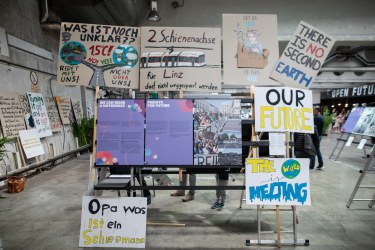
x: 306, y: 146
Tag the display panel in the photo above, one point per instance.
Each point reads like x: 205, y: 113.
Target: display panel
x: 169, y: 132
x: 217, y: 132
x: 352, y: 120
x: 366, y: 123
x: 120, y: 139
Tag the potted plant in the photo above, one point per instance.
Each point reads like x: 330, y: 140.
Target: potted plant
x: 3, y: 151
x: 328, y: 118
x: 83, y: 131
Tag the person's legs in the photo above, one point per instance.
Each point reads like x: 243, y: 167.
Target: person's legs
x: 182, y: 183
x: 319, y: 155
x: 222, y: 194
x: 312, y: 162
x: 190, y: 194
x: 216, y: 203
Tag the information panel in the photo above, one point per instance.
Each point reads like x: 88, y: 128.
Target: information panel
x: 277, y: 181
x: 352, y: 120
x: 169, y: 132
x: 120, y: 137
x: 217, y: 132
x: 366, y: 123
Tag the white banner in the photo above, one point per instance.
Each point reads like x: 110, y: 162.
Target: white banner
x: 277, y: 181
x: 113, y: 222
x: 283, y: 109
x: 40, y: 115
x: 31, y: 143
x: 303, y: 57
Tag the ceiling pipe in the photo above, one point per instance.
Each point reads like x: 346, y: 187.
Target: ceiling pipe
x: 358, y: 69
x: 45, y: 14
x: 50, y: 26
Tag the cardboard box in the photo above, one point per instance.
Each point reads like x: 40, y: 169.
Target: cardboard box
x: 251, y: 60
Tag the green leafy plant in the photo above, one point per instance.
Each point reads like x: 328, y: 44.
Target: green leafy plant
x: 83, y: 130
x: 3, y: 151
x: 328, y: 118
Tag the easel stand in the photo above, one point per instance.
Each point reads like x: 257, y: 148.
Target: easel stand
x: 278, y: 242
x: 367, y: 169
x: 340, y: 144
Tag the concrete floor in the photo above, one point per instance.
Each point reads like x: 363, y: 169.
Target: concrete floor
x: 46, y: 215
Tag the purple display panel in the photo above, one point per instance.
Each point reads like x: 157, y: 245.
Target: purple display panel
x: 169, y: 132
x: 352, y: 120
x: 217, y: 132
x: 120, y: 139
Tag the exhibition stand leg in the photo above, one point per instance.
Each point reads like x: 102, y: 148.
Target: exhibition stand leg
x: 366, y: 169
x: 340, y: 144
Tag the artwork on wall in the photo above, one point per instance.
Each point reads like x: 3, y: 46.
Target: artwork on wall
x: 169, y: 132
x: 120, y: 136
x: 250, y: 48
x: 103, y: 55
x: 217, y: 132
x: 180, y: 59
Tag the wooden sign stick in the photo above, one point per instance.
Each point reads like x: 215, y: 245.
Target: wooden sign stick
x: 180, y: 95
x: 21, y: 151
x: 93, y: 173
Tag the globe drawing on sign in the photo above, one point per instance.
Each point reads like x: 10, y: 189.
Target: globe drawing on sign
x: 73, y: 53
x: 125, y: 56
x: 291, y: 168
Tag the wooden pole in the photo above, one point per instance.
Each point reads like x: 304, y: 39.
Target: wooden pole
x: 180, y: 95
x: 93, y: 173
x: 21, y: 151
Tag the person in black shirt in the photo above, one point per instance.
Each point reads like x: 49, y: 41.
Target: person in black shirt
x: 319, y: 123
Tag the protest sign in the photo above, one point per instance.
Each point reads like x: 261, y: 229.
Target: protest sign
x: 250, y: 49
x: 53, y: 114
x: 11, y: 115
x: 178, y: 58
x: 77, y: 109
x: 277, y: 181
x: 113, y: 222
x: 283, y: 109
x: 93, y: 54
x: 65, y: 108
x: 303, y: 57
x: 31, y: 143
x: 40, y: 115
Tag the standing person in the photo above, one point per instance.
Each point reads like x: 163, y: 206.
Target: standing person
x: 300, y: 150
x: 190, y: 194
x: 341, y: 119
x: 221, y: 181
x: 319, y: 123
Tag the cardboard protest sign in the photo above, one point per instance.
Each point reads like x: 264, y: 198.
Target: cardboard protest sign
x: 120, y: 139
x: 11, y: 115
x: 65, y: 108
x: 177, y: 58
x: 26, y: 110
x: 104, y: 55
x: 90, y: 111
x: 77, y: 109
x: 277, y: 181
x: 30, y: 142
x: 113, y: 222
x: 40, y: 115
x: 53, y: 114
x: 303, y: 57
x: 283, y: 109
x: 169, y: 132
x: 217, y: 132
x: 250, y: 48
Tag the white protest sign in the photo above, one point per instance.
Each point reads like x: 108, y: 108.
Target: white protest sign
x: 280, y: 109
x: 277, y: 181
x: 113, y: 222
x: 40, y: 115
x: 31, y: 143
x: 303, y: 57
x: 180, y: 58
x: 277, y: 143
x: 94, y: 54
